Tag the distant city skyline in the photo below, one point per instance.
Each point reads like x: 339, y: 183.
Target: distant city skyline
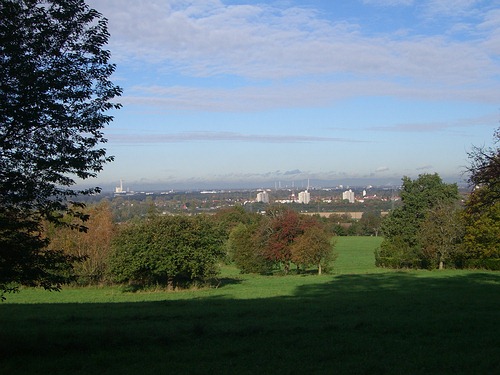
x: 221, y: 94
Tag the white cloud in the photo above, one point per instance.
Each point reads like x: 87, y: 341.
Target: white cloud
x: 451, y: 7
x: 262, y: 42
x: 289, y: 57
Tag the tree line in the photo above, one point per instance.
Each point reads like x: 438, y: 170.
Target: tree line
x: 177, y: 251
x: 433, y: 228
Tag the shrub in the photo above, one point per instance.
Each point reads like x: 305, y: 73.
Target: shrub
x: 167, y: 250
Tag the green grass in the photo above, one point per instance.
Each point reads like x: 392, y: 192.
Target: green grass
x: 360, y: 320
x: 356, y: 255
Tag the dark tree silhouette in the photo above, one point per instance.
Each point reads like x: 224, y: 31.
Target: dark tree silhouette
x: 55, y: 92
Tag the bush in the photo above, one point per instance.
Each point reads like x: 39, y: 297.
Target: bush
x: 170, y: 251
x: 243, y: 249
x: 488, y: 264
x: 396, y: 254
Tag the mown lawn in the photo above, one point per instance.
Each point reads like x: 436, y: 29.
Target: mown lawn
x: 359, y: 320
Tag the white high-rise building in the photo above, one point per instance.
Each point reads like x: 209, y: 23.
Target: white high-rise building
x: 263, y: 197
x: 304, y: 197
x: 348, y: 195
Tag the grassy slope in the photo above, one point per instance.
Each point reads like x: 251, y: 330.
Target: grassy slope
x: 361, y: 320
x: 356, y: 255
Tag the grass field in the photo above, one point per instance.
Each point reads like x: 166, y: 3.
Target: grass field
x: 359, y: 320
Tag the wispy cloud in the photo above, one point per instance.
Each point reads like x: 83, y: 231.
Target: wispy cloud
x: 424, y: 167
x: 433, y: 127
x: 451, y: 7
x: 313, y: 93
x: 220, y: 136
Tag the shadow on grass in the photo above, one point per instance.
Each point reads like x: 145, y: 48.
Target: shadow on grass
x: 214, y: 283
x: 391, y: 323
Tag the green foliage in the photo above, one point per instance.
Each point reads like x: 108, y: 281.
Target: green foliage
x: 402, y: 246
x: 429, y: 230
x: 441, y: 235
x: 278, y: 239
x: 244, y: 250
x: 488, y: 264
x: 370, y: 223
x: 54, y: 94
x: 230, y: 217
x: 94, y: 244
x: 396, y: 253
x: 482, y: 232
x: 482, y: 208
x: 314, y: 248
x: 24, y: 258
x: 167, y: 250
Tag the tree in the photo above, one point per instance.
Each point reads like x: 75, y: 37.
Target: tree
x: 482, y: 234
x: 278, y: 239
x: 55, y: 93
x: 167, y: 250
x: 93, y: 245
x: 370, y: 223
x: 245, y: 251
x: 441, y: 234
x: 313, y: 247
x: 482, y: 208
x: 484, y: 171
x: 402, y: 245
x: 278, y: 232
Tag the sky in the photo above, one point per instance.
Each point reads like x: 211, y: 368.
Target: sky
x: 225, y: 94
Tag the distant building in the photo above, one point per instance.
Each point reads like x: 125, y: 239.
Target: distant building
x: 119, y: 189
x: 304, y: 197
x: 263, y: 197
x: 348, y: 195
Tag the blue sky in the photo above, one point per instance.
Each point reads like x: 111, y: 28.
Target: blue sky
x: 247, y: 93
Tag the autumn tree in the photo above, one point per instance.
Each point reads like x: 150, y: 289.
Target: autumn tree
x: 279, y: 231
x: 94, y: 245
x: 313, y: 248
x: 55, y: 94
x: 278, y: 239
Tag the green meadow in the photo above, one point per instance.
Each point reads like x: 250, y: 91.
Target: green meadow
x: 357, y: 320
